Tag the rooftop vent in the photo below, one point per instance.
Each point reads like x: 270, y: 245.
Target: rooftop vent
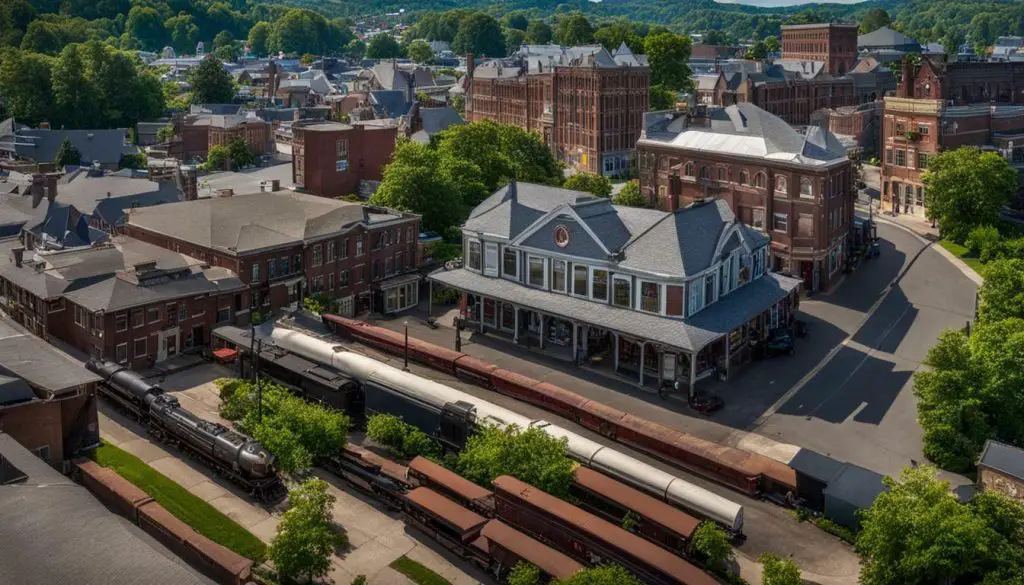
x: 145, y: 266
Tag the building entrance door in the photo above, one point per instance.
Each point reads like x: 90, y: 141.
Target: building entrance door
x: 908, y: 199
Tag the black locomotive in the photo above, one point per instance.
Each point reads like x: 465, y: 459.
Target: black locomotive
x: 231, y: 454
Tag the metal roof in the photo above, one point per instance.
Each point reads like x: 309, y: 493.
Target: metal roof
x: 545, y: 558
x: 855, y: 485
x: 42, y: 365
x: 461, y: 518
x: 1003, y: 458
x: 448, y: 479
x: 653, y: 510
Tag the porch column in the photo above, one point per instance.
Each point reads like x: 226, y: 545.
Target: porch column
x: 616, y: 351
x: 481, y: 305
x: 575, y: 344
x: 515, y: 331
x: 693, y: 370
x: 542, y: 320
x: 430, y: 298
x: 643, y: 348
x: 728, y: 354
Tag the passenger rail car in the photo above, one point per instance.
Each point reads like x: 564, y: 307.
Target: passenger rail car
x: 229, y: 453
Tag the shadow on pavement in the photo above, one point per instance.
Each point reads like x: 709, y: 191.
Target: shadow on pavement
x: 862, y: 288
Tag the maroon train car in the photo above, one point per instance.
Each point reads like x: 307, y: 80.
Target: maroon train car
x: 454, y: 526
x: 506, y: 546
x: 453, y: 486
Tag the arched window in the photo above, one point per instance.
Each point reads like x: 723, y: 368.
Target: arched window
x: 780, y: 185
x: 688, y: 170
x: 704, y: 172
x: 806, y: 189
x: 760, y: 180
x: 744, y: 178
x: 721, y: 173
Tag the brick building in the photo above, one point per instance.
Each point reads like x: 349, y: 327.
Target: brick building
x: 833, y: 44
x: 285, y: 245
x: 585, y: 102
x: 125, y: 300
x: 940, y: 106
x: 47, y: 399
x: 1001, y: 469
x: 330, y: 158
x: 796, y: 187
x: 203, y: 130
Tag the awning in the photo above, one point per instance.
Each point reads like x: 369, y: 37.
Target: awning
x: 399, y: 280
x: 290, y: 281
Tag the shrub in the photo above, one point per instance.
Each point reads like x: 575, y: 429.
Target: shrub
x: 524, y: 573
x: 530, y: 455
x: 711, y: 542
x: 984, y: 242
x: 401, y: 438
x: 359, y: 580
x: 318, y: 304
x: 838, y: 530
x: 446, y: 296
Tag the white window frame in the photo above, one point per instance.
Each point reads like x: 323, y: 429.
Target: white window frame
x: 565, y: 276
x: 149, y: 320
x: 254, y: 273
x: 809, y: 193
x: 117, y: 350
x: 135, y: 346
x: 640, y: 296
x: 586, y: 281
x: 360, y: 249
x: 695, y: 296
x: 332, y: 248
x: 529, y: 273
x: 127, y: 321
x: 775, y: 217
x: 781, y: 185
x: 611, y: 293
x: 714, y: 288
x: 515, y: 253
x: 318, y: 255
x: 607, y: 284
x: 490, y: 253
x: 469, y: 255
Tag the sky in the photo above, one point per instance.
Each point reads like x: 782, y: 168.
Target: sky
x: 776, y: 3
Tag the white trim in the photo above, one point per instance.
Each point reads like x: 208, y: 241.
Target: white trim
x: 607, y: 285
x: 504, y: 250
x: 565, y: 276
x: 586, y: 282
x: 611, y: 296
x: 553, y: 214
x: 487, y: 248
x: 640, y: 299
x: 544, y: 262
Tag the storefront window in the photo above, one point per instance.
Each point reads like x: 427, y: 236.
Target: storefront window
x: 536, y: 271
x: 650, y: 298
x: 599, y: 286
x: 489, y: 314
x: 579, y: 280
x: 622, y: 294
x: 508, y: 316
x: 559, y: 332
x: 558, y: 275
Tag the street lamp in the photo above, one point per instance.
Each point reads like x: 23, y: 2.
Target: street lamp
x: 406, y: 367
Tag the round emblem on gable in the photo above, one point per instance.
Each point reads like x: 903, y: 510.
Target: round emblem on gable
x: 561, y: 236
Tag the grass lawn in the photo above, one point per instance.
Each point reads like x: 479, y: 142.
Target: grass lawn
x: 190, y: 509
x: 963, y: 254
x: 417, y: 572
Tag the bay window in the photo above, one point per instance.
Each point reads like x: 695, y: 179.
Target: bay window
x: 473, y: 257
x: 510, y: 263
x: 491, y: 259
x: 709, y: 289
x: 695, y: 301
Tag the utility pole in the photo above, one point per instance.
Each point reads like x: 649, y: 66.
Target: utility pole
x: 259, y: 386
x: 406, y: 367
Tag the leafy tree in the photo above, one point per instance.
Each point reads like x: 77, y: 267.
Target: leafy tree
x: 259, y: 38
x: 500, y: 152
x: 15, y: 17
x: 223, y: 39
x: 383, y: 46
x: 355, y: 49
x: 42, y: 37
x: 668, y: 54
x: 133, y: 161
x: 417, y: 181
x: 517, y: 21
x: 305, y: 539
x: 612, y: 34
x: 918, y: 533
x: 459, y: 103
x: 401, y: 438
x: 967, y: 188
x: 514, y: 38
x: 574, y: 29
x: 1002, y: 293
x: 711, y: 542
x: 758, y: 51
x: 538, y: 33
x: 715, y: 37
x: 166, y: 133
x: 241, y: 153
x: 600, y: 575
x: 778, y: 571
x: 523, y: 573
x: 772, y: 44
x: 146, y: 26
x: 211, y: 83
x: 597, y: 184
x: 875, y: 19
x: 183, y: 32
x: 662, y: 98
x: 479, y: 34
x: 420, y: 52
x: 25, y: 85
x: 530, y: 455
x: 985, y: 242
x: 73, y: 95
x: 630, y: 196
x: 67, y: 154
x: 299, y: 31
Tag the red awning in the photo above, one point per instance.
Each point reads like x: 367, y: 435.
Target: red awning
x: 225, y: 355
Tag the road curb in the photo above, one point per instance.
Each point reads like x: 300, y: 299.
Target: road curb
x: 960, y: 264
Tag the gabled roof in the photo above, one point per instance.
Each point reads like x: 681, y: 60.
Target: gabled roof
x: 435, y: 120
x: 1004, y: 458
x: 885, y: 37
x: 625, y: 56
x: 389, y: 104
x: 48, y: 370
x: 64, y: 226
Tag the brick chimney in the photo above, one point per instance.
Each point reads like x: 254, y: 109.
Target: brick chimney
x: 906, y: 88
x: 51, y: 187
x: 19, y: 255
x: 37, y: 189
x: 470, y: 65
x: 675, y: 189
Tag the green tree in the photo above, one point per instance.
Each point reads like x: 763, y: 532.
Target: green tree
x: 401, y: 438
x: 211, y: 83
x: 630, y: 196
x: 420, y: 52
x: 523, y: 573
x: 73, y: 93
x: 415, y: 181
x: 459, y: 103
x: 662, y: 98
x: 227, y: 53
x: 715, y: 37
x: 166, y: 133
x: 668, y: 55
x: 15, y: 17
x: 183, y: 32
x: 778, y: 571
x: 612, y: 34
x: 501, y: 152
x: 241, y: 153
x: 42, y: 37
x: 600, y: 575
x: 530, y: 455
x: 355, y: 49
x: 479, y: 34
x: 758, y: 51
x: 133, y: 161
x: 305, y: 539
x: 875, y: 19
x: 146, y: 26
x: 383, y: 46
x: 597, y: 184
x: 514, y: 38
x: 259, y: 38
x: 966, y: 188
x: 573, y: 29
x: 1002, y: 293
x: 538, y: 33
x: 517, y: 21
x: 918, y: 533
x: 772, y: 44
x: 25, y: 85
x: 299, y: 31
x: 67, y: 154
x: 223, y: 39
x: 711, y: 542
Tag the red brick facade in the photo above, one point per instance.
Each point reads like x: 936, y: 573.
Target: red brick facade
x: 198, y: 139
x: 330, y: 159
x: 793, y: 100
x: 834, y: 44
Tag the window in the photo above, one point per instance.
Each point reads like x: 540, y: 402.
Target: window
x: 271, y: 269
x: 341, y: 149
x: 344, y: 248
x: 140, y: 347
x: 781, y: 222
x: 398, y: 235
x: 920, y: 196
x: 662, y: 191
x: 399, y: 261
x: 760, y: 180
x: 491, y: 259
x: 298, y: 263
x: 709, y: 289
x: 922, y: 129
x: 558, y: 275
x: 360, y: 272
x: 318, y: 284
x: 153, y: 314
x: 330, y: 282
x: 343, y: 279
x: 721, y: 174
x: 744, y: 178
x: 223, y: 314
x: 622, y: 294
x: 121, y: 353
x: 758, y: 261
x: 331, y: 250
x: 81, y: 317
x: 695, y: 301
x: 389, y: 267
x: 780, y: 185
x: 536, y: 274
x: 901, y: 158
x: 283, y: 263
x: 806, y: 189
x: 901, y: 127
x: 408, y: 235
x: 599, y: 285
x: 805, y: 225
x: 121, y: 323
x: 183, y: 310
x: 254, y: 273
x: 138, y: 318
x: 378, y: 268
x: 888, y: 155
x: 56, y: 305
x: 726, y: 275
x: 579, y: 280
x: 688, y: 170
x: 704, y: 174
x: 318, y: 255
x: 922, y: 160
x: 359, y: 245
x: 758, y: 218
x: 650, y: 297
x: 474, y: 255
x: 510, y: 262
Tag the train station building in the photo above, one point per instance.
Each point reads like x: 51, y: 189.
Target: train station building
x: 663, y: 296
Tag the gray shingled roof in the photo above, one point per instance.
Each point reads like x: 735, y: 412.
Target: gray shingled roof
x: 515, y: 207
x: 54, y: 531
x: 1003, y: 458
x: 389, y: 103
x: 42, y: 365
x: 438, y: 119
x: 692, y: 334
x: 101, y: 146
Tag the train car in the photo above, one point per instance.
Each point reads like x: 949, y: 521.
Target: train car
x: 474, y: 369
x: 451, y: 485
x: 367, y: 478
x: 386, y: 467
x: 506, y: 547
x: 637, y: 512
x: 583, y: 536
x: 454, y: 526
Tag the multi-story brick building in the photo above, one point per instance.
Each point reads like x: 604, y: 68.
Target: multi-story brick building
x: 201, y: 132
x: 586, y: 103
x: 125, y: 300
x: 940, y: 106
x: 796, y: 187
x: 330, y: 158
x: 833, y: 44
x: 285, y: 245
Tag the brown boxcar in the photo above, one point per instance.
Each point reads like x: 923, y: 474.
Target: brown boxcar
x: 116, y: 492
x: 389, y: 468
x: 651, y: 519
x: 208, y: 557
x: 507, y: 546
x: 585, y: 537
x: 451, y: 485
x: 454, y: 526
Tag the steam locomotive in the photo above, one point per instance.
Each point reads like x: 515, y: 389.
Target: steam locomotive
x: 231, y: 454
